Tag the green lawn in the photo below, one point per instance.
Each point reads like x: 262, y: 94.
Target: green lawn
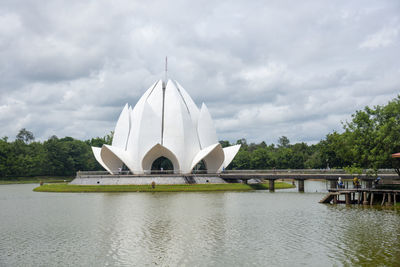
x: 35, y: 180
x: 158, y: 188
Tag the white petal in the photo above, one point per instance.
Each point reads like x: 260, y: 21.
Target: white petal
x: 230, y: 152
x: 96, y: 152
x: 123, y: 156
x: 193, y: 109
x: 213, y: 157
x: 179, y: 133
x: 110, y: 160
x: 149, y: 131
x: 205, y: 128
x: 122, y: 129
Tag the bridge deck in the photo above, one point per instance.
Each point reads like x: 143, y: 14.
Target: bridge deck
x: 246, y: 176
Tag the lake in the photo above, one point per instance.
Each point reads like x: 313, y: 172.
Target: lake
x: 259, y: 228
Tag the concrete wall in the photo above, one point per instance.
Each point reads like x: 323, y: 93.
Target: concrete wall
x: 144, y: 180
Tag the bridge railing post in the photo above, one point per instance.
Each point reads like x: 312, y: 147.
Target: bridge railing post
x: 332, y: 184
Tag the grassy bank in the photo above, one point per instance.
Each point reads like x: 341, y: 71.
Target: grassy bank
x: 35, y: 180
x: 158, y: 188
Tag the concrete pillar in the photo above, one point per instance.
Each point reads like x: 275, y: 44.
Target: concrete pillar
x: 368, y: 184
x: 365, y: 201
x: 372, y: 199
x: 271, y: 185
x: 301, y: 185
x: 348, y: 196
x: 389, y: 202
x: 332, y: 184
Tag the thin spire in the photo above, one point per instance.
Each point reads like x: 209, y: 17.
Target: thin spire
x: 166, y: 69
x: 164, y: 85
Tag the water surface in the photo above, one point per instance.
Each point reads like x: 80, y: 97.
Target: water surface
x: 192, y: 229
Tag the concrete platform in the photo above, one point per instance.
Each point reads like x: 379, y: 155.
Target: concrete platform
x: 147, y: 180
x: 138, y: 180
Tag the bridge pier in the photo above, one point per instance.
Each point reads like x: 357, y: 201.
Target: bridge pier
x: 271, y: 185
x: 301, y: 185
x: 348, y: 198
x: 365, y: 199
x: 389, y: 202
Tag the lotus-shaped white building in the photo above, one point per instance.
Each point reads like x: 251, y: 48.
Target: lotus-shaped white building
x: 165, y: 122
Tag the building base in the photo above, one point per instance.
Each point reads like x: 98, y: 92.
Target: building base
x: 143, y: 180
x: 147, y: 180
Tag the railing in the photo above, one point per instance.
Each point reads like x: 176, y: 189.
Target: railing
x: 127, y: 172
x: 308, y: 171
x: 276, y: 171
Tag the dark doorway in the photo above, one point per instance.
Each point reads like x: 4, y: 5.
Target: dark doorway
x: 162, y: 165
x: 124, y: 169
x: 200, y: 167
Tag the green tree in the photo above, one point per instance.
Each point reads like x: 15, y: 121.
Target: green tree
x: 261, y: 159
x: 283, y: 142
x: 243, y: 143
x: 25, y: 136
x: 5, y: 153
x: 224, y: 143
x: 241, y: 160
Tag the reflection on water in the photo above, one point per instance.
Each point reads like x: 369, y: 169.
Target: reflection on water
x: 193, y: 229
x: 310, y: 186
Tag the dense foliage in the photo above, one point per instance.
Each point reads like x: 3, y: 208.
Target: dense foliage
x: 367, y: 141
x: 54, y: 157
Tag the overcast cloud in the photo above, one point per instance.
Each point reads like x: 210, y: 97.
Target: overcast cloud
x: 264, y: 68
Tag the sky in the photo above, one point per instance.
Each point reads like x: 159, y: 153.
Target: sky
x: 265, y: 69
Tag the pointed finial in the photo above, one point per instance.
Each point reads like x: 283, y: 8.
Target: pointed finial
x: 166, y: 69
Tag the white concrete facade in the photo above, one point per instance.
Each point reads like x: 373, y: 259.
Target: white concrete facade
x: 165, y: 122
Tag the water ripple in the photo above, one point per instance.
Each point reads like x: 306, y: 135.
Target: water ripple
x: 191, y: 229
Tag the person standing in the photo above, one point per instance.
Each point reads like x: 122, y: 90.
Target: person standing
x: 377, y: 180
x: 356, y: 182
x: 340, y: 183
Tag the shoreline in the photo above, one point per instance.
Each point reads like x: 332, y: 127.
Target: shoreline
x: 36, y: 180
x: 68, y: 188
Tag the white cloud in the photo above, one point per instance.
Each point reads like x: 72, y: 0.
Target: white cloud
x: 265, y: 69
x: 383, y: 38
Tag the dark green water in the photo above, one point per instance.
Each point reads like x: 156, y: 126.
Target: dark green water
x: 192, y: 229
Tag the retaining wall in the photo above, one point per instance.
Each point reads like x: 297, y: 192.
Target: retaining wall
x: 144, y: 180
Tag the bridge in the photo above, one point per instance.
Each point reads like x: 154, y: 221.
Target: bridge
x: 364, y: 196
x: 245, y: 175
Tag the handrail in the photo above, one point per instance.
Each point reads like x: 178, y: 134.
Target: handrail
x: 269, y: 171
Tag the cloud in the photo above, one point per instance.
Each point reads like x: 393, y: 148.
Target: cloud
x: 383, y: 38
x: 264, y: 69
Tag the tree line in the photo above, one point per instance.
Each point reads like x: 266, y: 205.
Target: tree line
x: 54, y: 157
x: 367, y: 141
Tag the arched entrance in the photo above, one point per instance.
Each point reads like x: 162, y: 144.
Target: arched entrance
x: 200, y: 167
x: 156, y: 152
x: 162, y: 165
